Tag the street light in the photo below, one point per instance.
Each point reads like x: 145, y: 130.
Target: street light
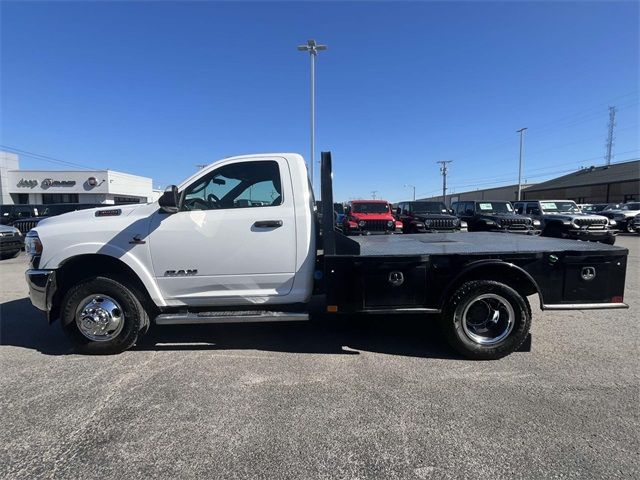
x: 313, y: 48
x: 521, y: 132
x: 406, y: 185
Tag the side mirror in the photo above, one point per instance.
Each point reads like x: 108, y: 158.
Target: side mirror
x: 169, y: 200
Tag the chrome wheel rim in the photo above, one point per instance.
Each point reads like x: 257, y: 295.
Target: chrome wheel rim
x: 488, y: 319
x: 99, y: 318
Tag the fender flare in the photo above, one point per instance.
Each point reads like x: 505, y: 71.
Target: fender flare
x: 110, y: 250
x: 474, y: 266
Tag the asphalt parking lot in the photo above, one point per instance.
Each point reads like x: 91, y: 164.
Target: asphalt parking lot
x: 359, y: 398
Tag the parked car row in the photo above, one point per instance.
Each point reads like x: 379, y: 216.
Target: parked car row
x: 549, y: 218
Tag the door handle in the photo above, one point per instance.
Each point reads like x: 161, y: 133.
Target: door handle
x: 268, y: 223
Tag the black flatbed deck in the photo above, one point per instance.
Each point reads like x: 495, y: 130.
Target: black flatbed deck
x: 464, y: 243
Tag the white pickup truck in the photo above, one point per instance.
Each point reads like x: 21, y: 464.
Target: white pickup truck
x: 239, y: 241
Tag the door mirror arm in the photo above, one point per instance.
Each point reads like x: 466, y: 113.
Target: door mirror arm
x: 169, y: 201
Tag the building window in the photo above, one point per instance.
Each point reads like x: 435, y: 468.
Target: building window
x: 23, y: 199
x: 125, y: 200
x: 629, y: 198
x: 48, y: 198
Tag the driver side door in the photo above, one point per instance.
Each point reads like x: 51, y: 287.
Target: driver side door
x: 233, y: 240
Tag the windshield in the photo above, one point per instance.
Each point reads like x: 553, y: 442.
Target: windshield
x: 559, y: 207
x: 631, y: 206
x: 495, y: 207
x: 370, y: 208
x: 429, y: 207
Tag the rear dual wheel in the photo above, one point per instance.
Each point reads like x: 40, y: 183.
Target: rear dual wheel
x: 486, y: 320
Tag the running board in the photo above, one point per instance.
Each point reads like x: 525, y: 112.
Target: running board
x: 229, y: 316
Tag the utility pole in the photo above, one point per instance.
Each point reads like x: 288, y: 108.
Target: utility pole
x: 414, y: 190
x: 313, y: 50
x: 521, y: 132
x: 610, y: 137
x: 373, y: 194
x: 444, y: 169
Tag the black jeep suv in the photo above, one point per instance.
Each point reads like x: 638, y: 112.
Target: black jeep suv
x: 563, y: 219
x: 494, y: 216
x: 50, y: 210
x: 423, y: 217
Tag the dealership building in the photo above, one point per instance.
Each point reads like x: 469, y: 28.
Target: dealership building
x: 75, y: 186
x: 615, y: 183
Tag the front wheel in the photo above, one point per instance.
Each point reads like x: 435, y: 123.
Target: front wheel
x: 486, y: 320
x: 630, y: 228
x: 102, y: 316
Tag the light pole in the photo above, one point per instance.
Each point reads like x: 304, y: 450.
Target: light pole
x: 313, y: 50
x: 521, y: 132
x: 406, y: 185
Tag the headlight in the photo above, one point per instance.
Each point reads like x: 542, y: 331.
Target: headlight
x: 32, y: 244
x: 362, y: 223
x: 391, y: 224
x: 427, y: 223
x: 536, y: 223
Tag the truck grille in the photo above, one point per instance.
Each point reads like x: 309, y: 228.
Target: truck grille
x: 443, y: 224
x: 25, y: 225
x: 591, y: 223
x: 375, y: 225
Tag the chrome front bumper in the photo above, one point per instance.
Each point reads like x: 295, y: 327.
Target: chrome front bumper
x: 42, y: 286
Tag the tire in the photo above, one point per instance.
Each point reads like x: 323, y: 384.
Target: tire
x: 630, y: 228
x: 111, y: 299
x: 610, y: 241
x: 12, y: 254
x: 483, y: 297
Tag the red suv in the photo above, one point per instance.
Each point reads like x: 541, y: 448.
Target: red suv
x: 364, y: 217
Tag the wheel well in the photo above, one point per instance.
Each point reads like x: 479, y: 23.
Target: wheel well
x: 501, y: 272
x: 82, y: 267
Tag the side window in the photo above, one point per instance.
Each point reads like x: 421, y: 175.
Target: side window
x: 454, y: 207
x: 238, y: 185
x: 518, y: 207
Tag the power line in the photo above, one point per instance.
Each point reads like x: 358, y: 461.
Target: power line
x: 44, y: 158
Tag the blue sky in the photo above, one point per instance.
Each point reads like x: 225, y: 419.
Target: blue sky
x: 156, y: 88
